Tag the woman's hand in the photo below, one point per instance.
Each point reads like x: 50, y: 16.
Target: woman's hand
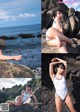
x: 54, y: 59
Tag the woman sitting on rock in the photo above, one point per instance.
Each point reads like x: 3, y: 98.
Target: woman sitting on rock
x: 23, y: 99
x: 4, y: 57
x: 59, y: 67
x: 55, y: 36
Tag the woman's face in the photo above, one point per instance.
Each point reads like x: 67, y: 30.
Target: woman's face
x: 28, y: 89
x: 60, y: 70
x: 60, y: 14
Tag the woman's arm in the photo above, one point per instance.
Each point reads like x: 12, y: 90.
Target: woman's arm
x: 59, y: 24
x: 22, y: 93
x: 51, y: 73
x: 32, y: 94
x: 65, y: 63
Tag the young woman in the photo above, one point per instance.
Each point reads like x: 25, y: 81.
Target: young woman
x: 4, y: 57
x: 23, y: 98
x: 55, y: 36
x: 59, y: 82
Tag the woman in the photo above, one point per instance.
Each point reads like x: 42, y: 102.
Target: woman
x: 24, y: 97
x: 55, y: 36
x: 4, y: 57
x: 59, y: 82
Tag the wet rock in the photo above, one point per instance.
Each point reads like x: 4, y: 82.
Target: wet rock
x: 9, y: 70
x: 26, y: 35
x: 39, y: 35
x: 8, y: 37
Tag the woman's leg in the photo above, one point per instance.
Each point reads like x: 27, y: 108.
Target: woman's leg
x: 69, y: 103
x: 16, y: 103
x: 61, y: 45
x: 52, y: 32
x: 4, y: 57
x: 63, y: 48
x: 58, y: 103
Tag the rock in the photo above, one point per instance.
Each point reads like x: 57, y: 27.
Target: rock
x: 74, y: 71
x: 78, y: 58
x: 37, y: 72
x: 39, y: 35
x: 74, y: 27
x: 8, y: 38
x: 24, y: 108
x: 26, y: 35
x: 9, y: 70
x: 2, y: 43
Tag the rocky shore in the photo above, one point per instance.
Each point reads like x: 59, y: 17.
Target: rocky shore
x: 70, y: 24
x: 9, y: 70
x: 73, y: 83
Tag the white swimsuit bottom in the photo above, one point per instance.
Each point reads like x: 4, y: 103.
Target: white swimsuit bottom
x: 60, y: 87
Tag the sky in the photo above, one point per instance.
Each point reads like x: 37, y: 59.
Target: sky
x: 10, y: 82
x: 20, y: 12
x: 73, y: 3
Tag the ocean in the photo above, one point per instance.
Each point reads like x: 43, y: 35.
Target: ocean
x: 30, y: 48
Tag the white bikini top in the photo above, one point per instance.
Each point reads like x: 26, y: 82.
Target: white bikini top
x: 26, y: 96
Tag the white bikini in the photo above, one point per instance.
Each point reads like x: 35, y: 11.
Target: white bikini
x: 25, y: 97
x: 60, y: 87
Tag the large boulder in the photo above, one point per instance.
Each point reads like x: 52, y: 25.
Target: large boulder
x: 9, y: 70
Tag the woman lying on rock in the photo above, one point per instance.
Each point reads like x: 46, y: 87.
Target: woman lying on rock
x: 24, y: 97
x: 59, y: 67
x: 4, y: 57
x: 55, y: 36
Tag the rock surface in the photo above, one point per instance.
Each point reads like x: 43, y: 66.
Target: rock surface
x: 24, y: 108
x: 9, y: 70
x: 26, y: 35
x: 73, y: 83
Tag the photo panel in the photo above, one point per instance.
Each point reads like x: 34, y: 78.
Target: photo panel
x: 20, y: 39
x: 20, y: 94
x: 60, y: 26
x: 60, y: 81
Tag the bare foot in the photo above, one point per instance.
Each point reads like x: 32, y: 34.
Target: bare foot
x: 0, y: 52
x: 17, y: 58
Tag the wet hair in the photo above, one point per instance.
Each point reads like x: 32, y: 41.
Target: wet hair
x: 61, y: 65
x: 28, y: 85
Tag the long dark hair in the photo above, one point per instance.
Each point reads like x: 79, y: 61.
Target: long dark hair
x: 57, y: 10
x: 61, y: 65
